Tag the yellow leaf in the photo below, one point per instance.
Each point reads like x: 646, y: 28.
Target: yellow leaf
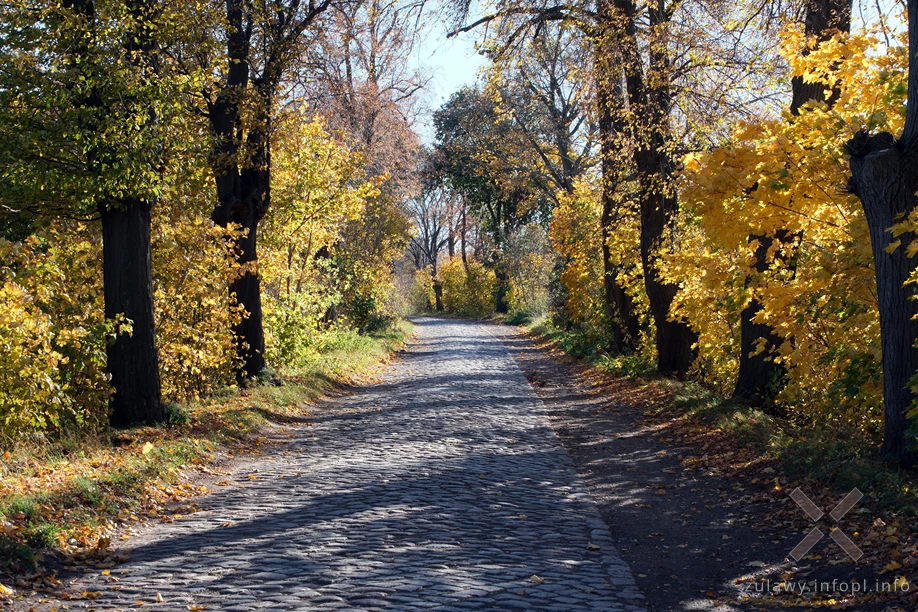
x: 891, y: 567
x: 147, y: 448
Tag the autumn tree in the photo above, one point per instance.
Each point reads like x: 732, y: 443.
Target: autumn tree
x: 678, y: 67
x: 89, y: 99
x: 261, y: 44
x: 485, y: 159
x: 758, y: 373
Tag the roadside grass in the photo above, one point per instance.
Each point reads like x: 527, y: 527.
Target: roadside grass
x: 67, y: 498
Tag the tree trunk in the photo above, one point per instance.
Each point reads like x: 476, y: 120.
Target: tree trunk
x: 243, y: 194
x: 619, y: 305
x: 758, y: 374
x: 623, y: 322
x: 650, y: 106
x: 128, y: 289
x: 465, y: 261
x: 242, y: 203
x: 501, y: 306
x: 438, y: 295
x: 885, y: 178
x: 132, y: 359
x: 675, y: 340
x: 758, y: 377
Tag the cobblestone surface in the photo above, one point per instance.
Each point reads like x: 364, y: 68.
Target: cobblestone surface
x: 442, y: 487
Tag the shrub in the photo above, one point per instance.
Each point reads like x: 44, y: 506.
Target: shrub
x: 52, y: 331
x: 468, y: 289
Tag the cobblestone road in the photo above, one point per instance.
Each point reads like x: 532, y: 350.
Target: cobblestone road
x: 442, y: 487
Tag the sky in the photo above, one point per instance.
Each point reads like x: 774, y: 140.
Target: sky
x: 452, y: 63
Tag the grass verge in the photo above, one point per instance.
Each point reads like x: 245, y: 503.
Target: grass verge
x: 65, y: 500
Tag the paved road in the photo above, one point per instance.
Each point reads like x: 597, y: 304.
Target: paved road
x: 442, y: 487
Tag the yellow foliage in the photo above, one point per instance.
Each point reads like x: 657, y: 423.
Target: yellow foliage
x: 318, y: 189
x: 468, y: 289
x: 193, y: 266
x: 421, y: 295
x: 576, y: 234
x: 52, y: 332
x: 787, y: 177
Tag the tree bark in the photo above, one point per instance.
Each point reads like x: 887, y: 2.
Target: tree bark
x: 438, y: 295
x: 243, y: 193
x: 128, y: 290
x: 503, y: 280
x: 675, y: 340
x: 759, y: 375
x: 132, y: 360
x: 885, y: 178
x: 623, y: 321
x: 244, y: 200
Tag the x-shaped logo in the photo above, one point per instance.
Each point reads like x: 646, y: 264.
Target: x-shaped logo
x: 813, y: 511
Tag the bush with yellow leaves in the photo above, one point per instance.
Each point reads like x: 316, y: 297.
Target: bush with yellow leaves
x: 577, y: 237
x: 52, y: 331
x: 468, y: 288
x: 576, y: 233
x: 193, y: 266
x: 318, y: 189
x: 421, y: 292
x: 529, y: 264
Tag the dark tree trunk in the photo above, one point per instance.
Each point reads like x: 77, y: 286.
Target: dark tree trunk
x: 438, y: 295
x: 128, y: 289
x: 885, y: 178
x: 243, y: 200
x: 132, y: 359
x: 650, y: 105
x: 623, y: 323
x: 758, y: 374
x: 243, y: 194
x: 824, y: 19
x: 675, y: 340
x: 465, y: 261
x: 501, y: 306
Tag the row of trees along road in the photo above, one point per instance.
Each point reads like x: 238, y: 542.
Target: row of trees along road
x: 108, y: 106
x: 742, y: 267
x: 694, y: 183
